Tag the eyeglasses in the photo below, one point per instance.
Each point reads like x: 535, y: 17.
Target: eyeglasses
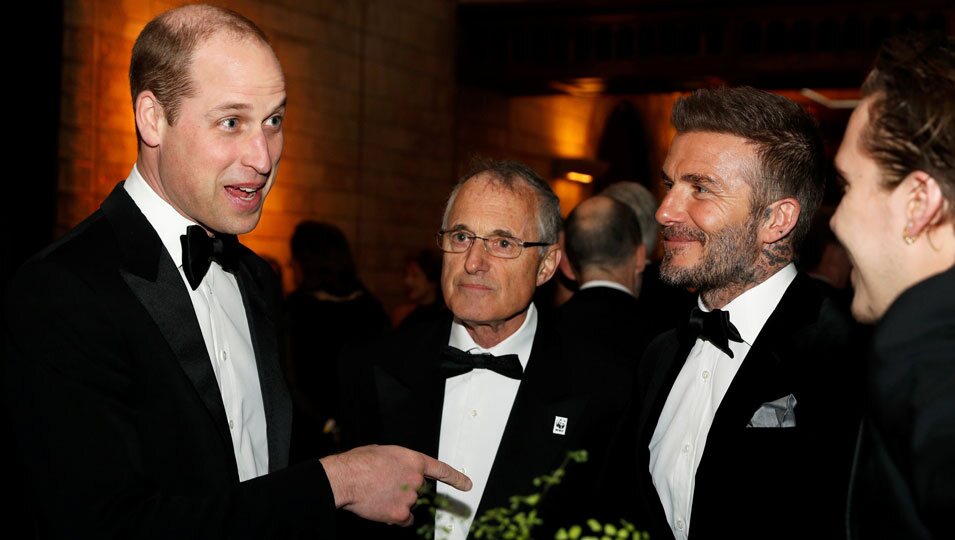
x: 505, y: 247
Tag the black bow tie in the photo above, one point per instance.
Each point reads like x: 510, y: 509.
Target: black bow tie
x: 199, y: 250
x: 456, y: 362
x: 714, y: 326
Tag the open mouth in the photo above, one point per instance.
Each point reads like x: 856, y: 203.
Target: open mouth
x: 244, y: 193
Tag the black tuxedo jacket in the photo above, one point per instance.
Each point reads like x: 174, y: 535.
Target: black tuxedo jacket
x: 904, y: 481
x: 115, y: 403
x: 755, y: 482
x: 406, y: 396
x: 605, y: 322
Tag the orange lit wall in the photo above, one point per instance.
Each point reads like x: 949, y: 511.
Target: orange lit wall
x: 369, y: 132
x: 539, y: 129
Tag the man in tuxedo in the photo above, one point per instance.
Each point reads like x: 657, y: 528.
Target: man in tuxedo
x: 143, y: 347
x: 489, y: 389
x: 897, y: 222
x: 604, y: 249
x: 745, y: 415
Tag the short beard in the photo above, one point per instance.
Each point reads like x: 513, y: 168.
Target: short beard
x: 729, y: 257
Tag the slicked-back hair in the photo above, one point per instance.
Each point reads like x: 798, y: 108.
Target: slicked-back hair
x: 513, y: 175
x: 912, y: 113
x: 789, y: 149
x: 603, y: 241
x: 162, y: 55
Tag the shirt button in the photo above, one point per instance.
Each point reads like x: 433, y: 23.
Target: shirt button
x: 706, y: 375
x: 473, y: 412
x: 686, y: 448
x: 449, y: 528
x: 231, y: 423
x: 224, y: 355
x: 680, y: 524
x: 464, y: 470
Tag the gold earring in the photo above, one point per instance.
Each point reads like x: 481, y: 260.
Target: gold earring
x: 909, y: 240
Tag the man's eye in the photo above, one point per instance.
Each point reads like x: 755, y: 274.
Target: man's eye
x: 274, y: 121
x: 667, y: 185
x: 460, y: 237
x: 230, y: 123
x: 505, y: 243
x: 701, y: 189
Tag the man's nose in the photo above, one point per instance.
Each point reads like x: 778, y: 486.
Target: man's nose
x: 476, y: 258
x: 672, y: 208
x: 258, y: 155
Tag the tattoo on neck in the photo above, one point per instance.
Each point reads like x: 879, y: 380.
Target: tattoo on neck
x: 771, y: 259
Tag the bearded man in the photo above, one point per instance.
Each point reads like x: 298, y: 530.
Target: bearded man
x: 745, y: 415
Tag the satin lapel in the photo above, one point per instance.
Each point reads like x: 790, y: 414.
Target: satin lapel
x: 155, y: 280
x: 673, y: 356
x: 764, y: 370
x: 263, y: 330
x: 546, y: 392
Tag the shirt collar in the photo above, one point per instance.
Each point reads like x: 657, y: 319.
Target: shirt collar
x: 750, y: 310
x: 519, y: 343
x: 168, y: 223
x: 605, y: 283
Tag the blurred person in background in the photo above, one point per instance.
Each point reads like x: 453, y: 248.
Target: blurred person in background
x: 422, y: 284
x: 668, y: 304
x: 329, y: 309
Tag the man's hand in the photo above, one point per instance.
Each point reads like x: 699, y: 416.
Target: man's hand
x: 380, y: 483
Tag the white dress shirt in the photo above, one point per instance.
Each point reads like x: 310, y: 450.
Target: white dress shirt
x: 476, y: 407
x: 225, y: 330
x: 680, y: 435
x: 605, y: 283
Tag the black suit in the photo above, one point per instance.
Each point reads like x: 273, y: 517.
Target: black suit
x: 607, y: 322
x: 117, y: 408
x: 756, y: 482
x: 904, y: 485
x: 407, y: 396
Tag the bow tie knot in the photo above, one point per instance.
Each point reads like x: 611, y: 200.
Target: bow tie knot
x: 714, y: 326
x: 199, y: 250
x: 456, y: 362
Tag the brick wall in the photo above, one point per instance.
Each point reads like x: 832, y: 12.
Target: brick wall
x: 539, y: 129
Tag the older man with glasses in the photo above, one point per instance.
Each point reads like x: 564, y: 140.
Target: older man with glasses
x: 488, y: 388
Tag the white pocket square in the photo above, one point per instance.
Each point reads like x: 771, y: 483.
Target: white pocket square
x: 779, y: 413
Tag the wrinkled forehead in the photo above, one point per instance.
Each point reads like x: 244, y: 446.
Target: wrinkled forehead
x: 719, y: 156
x: 486, y: 204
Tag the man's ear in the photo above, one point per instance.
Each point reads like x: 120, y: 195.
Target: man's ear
x: 925, y: 204
x: 548, y: 264
x: 641, y: 257
x: 150, y: 118
x: 779, y: 220
x: 565, y: 267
